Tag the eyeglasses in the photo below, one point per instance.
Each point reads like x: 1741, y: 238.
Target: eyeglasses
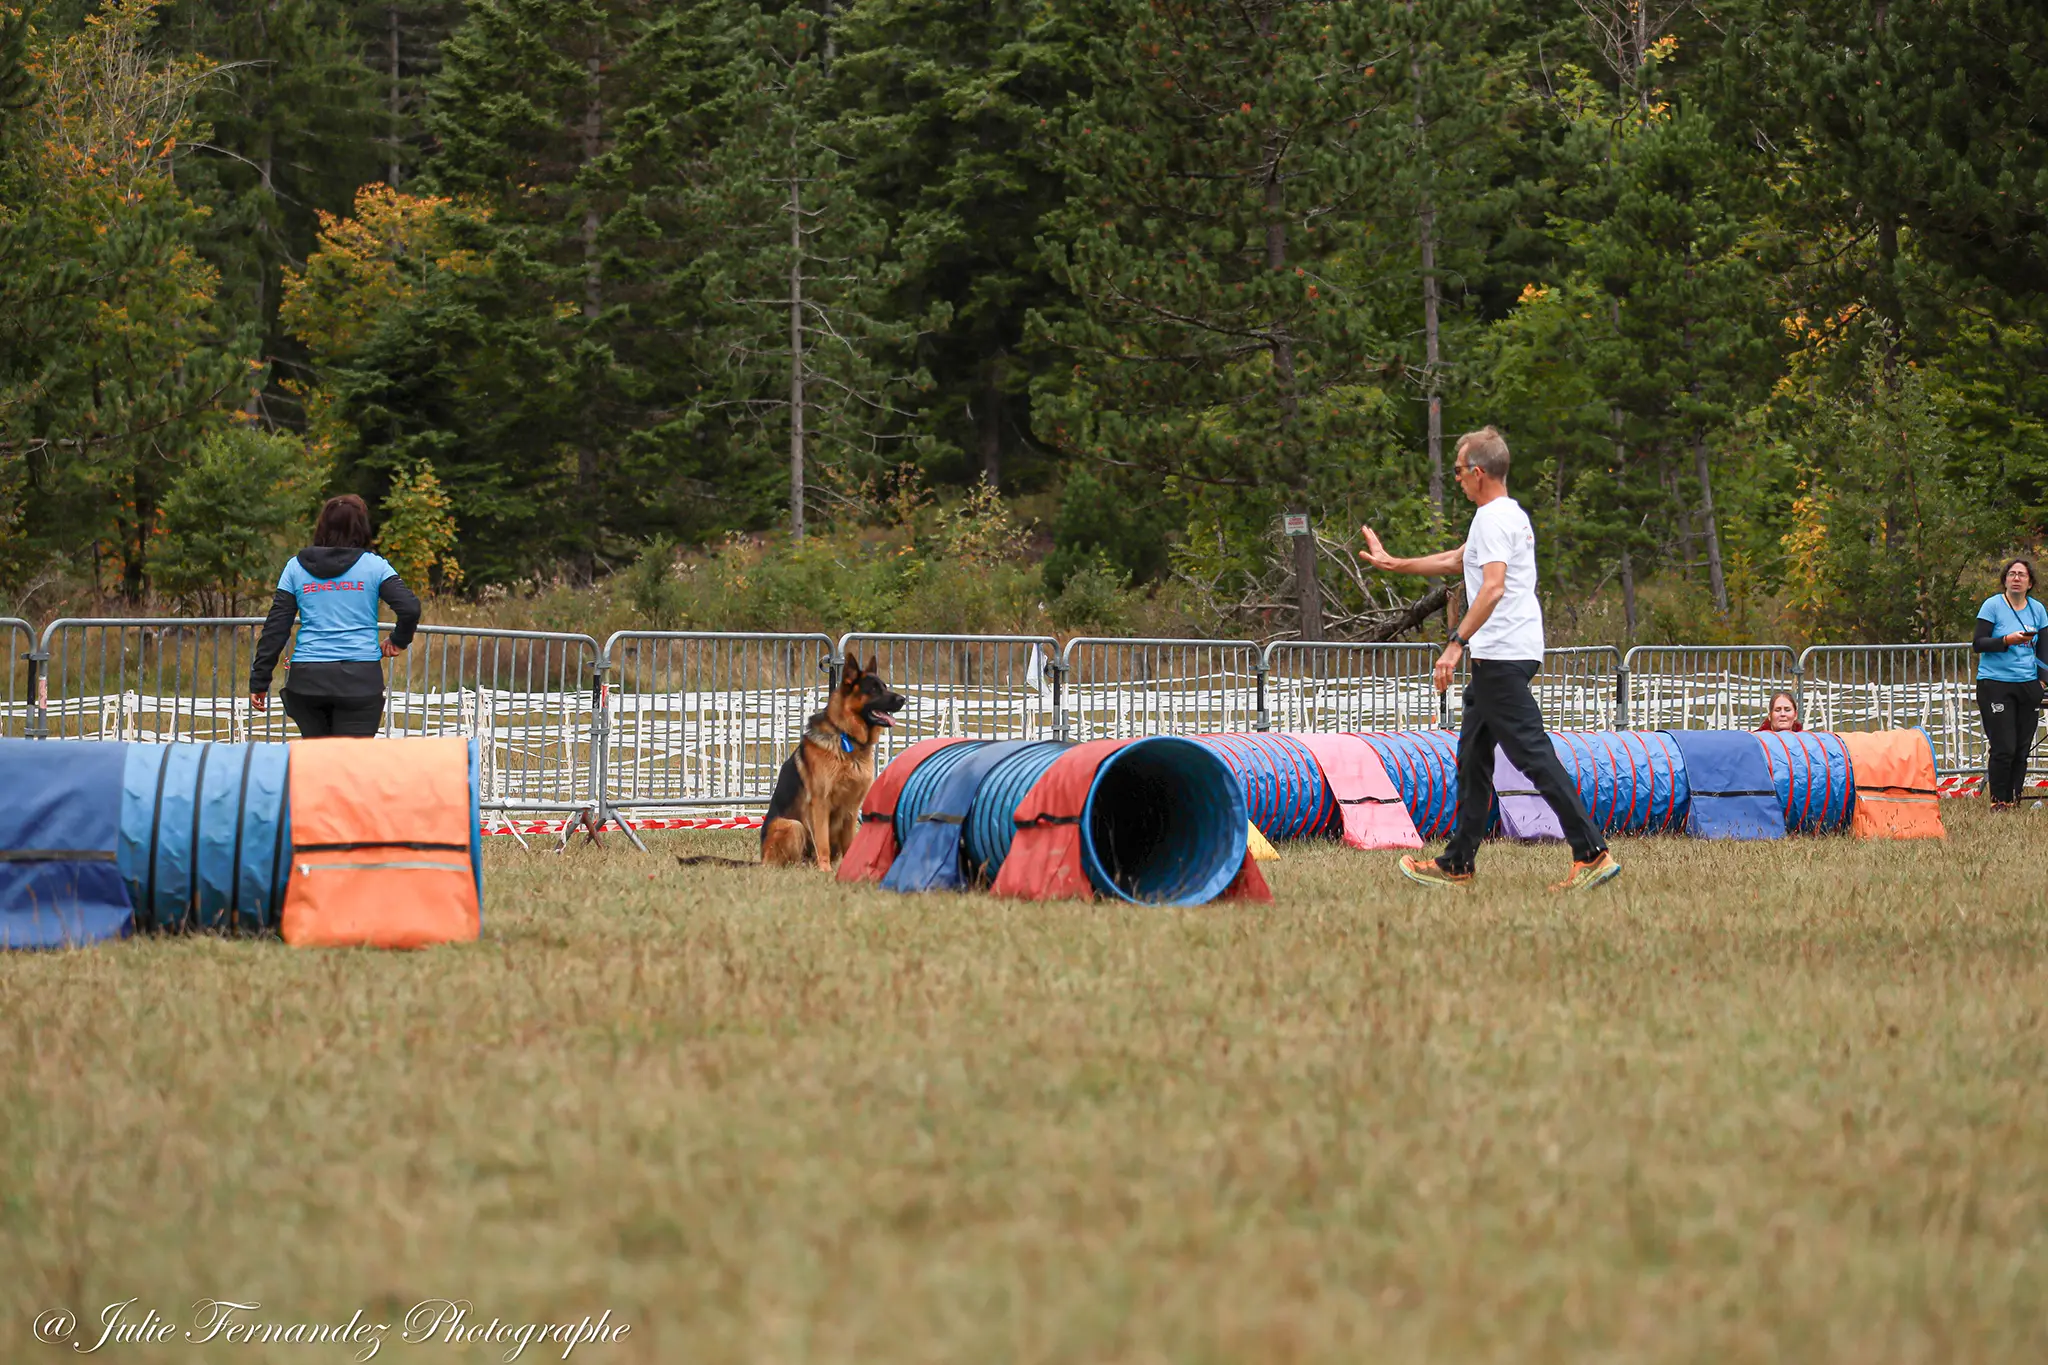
x: 1459, y: 471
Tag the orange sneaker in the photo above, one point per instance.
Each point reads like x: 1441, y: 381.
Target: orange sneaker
x: 1586, y: 876
x: 1429, y: 872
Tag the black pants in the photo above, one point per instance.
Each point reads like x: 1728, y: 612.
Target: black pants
x: 1500, y: 709
x: 2010, y: 711
x: 346, y: 717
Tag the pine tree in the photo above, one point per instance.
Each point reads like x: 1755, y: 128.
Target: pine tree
x: 796, y: 346
x: 568, y: 119
x: 1217, y: 170
x: 292, y: 134
x: 946, y: 102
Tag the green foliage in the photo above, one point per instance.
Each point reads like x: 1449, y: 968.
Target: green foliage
x: 1888, y: 542
x: 1101, y: 521
x: 417, y: 536
x: 650, y: 585
x: 1095, y: 597
x: 233, y: 514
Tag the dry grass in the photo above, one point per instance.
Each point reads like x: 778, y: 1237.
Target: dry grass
x: 1758, y: 1103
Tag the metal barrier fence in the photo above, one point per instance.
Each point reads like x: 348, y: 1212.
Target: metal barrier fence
x: 699, y: 719
x: 1346, y: 687
x: 694, y: 720
x: 1883, y: 687
x: 1703, y: 687
x: 982, y: 686
x: 528, y: 695
x: 1117, y: 688
x: 23, y: 671
x: 1579, y: 688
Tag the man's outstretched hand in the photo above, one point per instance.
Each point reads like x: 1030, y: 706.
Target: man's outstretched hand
x: 1376, y: 554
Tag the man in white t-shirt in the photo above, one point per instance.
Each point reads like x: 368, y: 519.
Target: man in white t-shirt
x: 1502, y: 631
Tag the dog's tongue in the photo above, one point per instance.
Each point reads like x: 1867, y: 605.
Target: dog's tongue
x: 880, y: 719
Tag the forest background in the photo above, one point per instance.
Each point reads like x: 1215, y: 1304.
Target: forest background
x: 1028, y: 314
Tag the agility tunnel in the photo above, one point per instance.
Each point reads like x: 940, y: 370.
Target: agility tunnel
x: 1630, y: 781
x: 1285, y: 792
x: 1810, y: 771
x: 206, y: 836
x: 1423, y: 766
x: 1153, y: 821
x: 328, y: 842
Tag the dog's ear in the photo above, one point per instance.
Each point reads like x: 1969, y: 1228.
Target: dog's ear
x: 850, y: 675
x: 872, y: 660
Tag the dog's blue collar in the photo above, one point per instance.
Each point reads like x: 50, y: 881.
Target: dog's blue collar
x: 845, y: 742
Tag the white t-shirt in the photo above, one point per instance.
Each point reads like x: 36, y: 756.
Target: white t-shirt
x: 1501, y: 534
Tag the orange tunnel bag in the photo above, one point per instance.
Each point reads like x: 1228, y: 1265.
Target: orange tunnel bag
x: 1896, y: 797
x: 381, y: 844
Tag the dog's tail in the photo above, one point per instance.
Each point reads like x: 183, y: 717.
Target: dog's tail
x: 706, y: 860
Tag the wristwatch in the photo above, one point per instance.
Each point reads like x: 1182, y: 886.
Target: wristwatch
x: 1459, y: 640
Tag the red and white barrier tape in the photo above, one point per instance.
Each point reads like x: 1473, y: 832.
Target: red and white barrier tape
x: 491, y: 826
x: 1972, y: 784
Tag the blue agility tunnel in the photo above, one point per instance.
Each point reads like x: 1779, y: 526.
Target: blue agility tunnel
x: 990, y: 826
x: 931, y: 856
x: 1164, y: 823
x: 60, y: 824
x: 206, y: 836
x: 1632, y: 781
x: 1813, y: 777
x: 1286, y: 795
x: 924, y: 784
x: 1423, y: 765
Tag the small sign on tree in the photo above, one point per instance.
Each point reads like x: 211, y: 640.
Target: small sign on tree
x: 1295, y: 523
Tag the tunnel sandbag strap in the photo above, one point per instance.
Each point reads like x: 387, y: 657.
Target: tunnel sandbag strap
x: 1862, y: 790
x: 1772, y: 791
x: 349, y: 846
x: 57, y: 855
x: 307, y: 869
x: 1037, y: 820
x: 190, y: 918
x: 398, y: 794
x: 241, y: 824
x: 941, y: 818
x: 1369, y: 801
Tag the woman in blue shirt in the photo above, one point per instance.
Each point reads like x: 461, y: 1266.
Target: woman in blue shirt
x: 336, y: 684
x: 2010, y: 635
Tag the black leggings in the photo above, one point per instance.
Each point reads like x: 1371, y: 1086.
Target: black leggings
x: 343, y: 717
x: 2010, y: 710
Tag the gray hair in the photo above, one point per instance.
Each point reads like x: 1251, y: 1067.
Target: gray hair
x: 1486, y: 450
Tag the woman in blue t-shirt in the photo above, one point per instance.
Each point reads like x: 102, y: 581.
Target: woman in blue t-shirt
x: 2010, y: 635
x: 336, y: 683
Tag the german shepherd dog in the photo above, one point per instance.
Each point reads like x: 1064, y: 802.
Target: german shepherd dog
x: 816, y: 806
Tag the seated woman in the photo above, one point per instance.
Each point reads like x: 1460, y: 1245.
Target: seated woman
x: 1783, y: 715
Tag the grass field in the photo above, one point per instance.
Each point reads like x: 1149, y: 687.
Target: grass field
x: 1781, y: 1102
